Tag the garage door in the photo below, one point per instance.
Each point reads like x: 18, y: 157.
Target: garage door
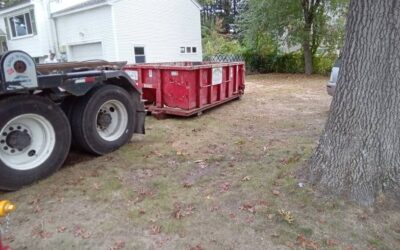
x: 84, y: 52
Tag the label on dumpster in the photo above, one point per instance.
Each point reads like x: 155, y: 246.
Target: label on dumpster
x: 133, y: 74
x: 217, y: 76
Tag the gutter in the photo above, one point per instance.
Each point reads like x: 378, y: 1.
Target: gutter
x: 15, y: 8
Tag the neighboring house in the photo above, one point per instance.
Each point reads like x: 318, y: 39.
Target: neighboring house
x: 130, y: 30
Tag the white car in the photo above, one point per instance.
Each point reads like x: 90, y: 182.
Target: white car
x: 331, y: 87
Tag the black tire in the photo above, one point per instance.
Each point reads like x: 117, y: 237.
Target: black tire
x: 17, y: 106
x: 84, y: 119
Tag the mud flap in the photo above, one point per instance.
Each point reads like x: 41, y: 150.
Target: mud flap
x: 140, y: 119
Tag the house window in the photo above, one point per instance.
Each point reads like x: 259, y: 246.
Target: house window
x: 140, y: 56
x: 188, y: 50
x: 21, y: 25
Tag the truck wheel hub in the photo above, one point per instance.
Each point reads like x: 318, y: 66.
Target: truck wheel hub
x: 112, y: 120
x: 104, y: 120
x: 18, y: 140
x: 26, y: 141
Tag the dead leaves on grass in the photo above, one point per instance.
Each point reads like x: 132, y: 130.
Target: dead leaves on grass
x: 61, y: 229
x: 305, y: 243
x: 224, y: 187
x: 40, y: 232
x: 249, y: 208
x: 253, y: 206
x: 197, y: 247
x: 155, y: 229
x: 81, y: 232
x: 182, y: 210
x: 118, y: 245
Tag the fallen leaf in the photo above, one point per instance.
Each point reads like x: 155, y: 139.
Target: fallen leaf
x: 79, y: 231
x: 96, y: 186
x: 198, y: 247
x: 331, y: 243
x: 155, y: 229
x: 61, y: 229
x: 276, y: 192
x: 306, y: 243
x: 248, y: 207
x: 240, y: 142
x: 40, y: 232
x: 286, y: 216
x: 187, y: 185
x: 246, y: 178
x: 118, y: 245
x: 224, y: 187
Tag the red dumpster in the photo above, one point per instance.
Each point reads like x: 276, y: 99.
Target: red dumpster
x: 187, y: 88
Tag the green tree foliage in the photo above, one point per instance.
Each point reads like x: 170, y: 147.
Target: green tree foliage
x: 216, y: 42
x: 309, y: 24
x: 225, y: 10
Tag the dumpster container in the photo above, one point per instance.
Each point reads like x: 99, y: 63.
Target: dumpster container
x: 187, y: 88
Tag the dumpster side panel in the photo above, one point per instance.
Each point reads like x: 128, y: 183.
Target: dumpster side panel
x: 188, y: 88
x: 176, y: 89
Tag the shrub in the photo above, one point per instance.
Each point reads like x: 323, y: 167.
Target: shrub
x: 274, y: 62
x: 286, y: 63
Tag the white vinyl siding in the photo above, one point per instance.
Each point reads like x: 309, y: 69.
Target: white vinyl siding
x: 89, y: 27
x: 37, y: 41
x: 162, y: 26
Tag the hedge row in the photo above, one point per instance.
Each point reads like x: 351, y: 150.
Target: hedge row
x: 286, y: 63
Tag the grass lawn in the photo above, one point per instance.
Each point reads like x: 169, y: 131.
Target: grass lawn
x: 225, y: 180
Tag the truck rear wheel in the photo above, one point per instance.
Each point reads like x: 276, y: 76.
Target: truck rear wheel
x: 103, y: 120
x: 35, y: 138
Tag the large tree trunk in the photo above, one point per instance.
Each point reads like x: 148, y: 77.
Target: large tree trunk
x: 359, y: 152
x: 309, y: 11
x: 308, y: 57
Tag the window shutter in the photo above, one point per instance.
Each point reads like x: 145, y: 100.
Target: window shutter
x: 33, y: 21
x: 7, y: 28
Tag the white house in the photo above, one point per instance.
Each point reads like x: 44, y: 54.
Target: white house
x: 115, y: 30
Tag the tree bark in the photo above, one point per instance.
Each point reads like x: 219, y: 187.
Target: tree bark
x: 358, y: 155
x: 308, y: 57
x: 309, y: 10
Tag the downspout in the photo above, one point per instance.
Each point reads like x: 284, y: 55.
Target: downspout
x: 115, y: 34
x: 52, y: 31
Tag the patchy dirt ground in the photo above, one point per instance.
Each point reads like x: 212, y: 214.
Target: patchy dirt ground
x: 225, y: 180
